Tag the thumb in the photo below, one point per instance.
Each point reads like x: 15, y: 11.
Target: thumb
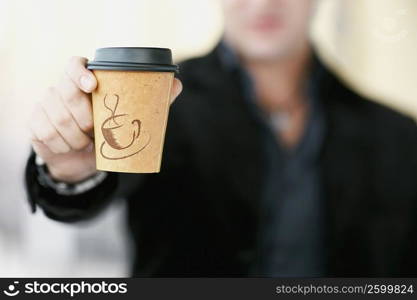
x: 175, y: 90
x: 80, y: 75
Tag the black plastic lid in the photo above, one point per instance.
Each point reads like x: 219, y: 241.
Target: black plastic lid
x: 133, y: 59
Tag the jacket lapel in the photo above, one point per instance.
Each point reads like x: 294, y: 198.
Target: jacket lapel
x: 344, y: 170
x: 237, y: 132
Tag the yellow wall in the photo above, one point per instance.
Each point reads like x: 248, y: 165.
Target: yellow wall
x: 372, y: 44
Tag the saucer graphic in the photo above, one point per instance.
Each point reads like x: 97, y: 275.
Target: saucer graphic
x: 122, y: 138
x: 135, y: 147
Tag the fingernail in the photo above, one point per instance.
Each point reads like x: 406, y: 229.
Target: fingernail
x: 86, y: 82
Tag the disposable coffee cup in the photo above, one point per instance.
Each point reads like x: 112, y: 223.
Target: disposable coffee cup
x: 130, y: 107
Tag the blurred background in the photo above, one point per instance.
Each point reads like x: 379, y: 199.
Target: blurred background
x: 371, y: 44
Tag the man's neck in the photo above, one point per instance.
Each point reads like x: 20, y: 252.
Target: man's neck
x: 279, y: 89
x: 279, y: 83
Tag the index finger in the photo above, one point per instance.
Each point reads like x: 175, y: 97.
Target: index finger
x: 80, y: 75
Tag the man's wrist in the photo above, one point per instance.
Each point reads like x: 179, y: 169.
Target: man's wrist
x: 66, y: 188
x: 61, y: 175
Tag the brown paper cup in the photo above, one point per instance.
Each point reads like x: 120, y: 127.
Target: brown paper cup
x: 130, y: 110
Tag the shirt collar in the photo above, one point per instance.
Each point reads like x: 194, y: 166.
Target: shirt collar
x: 230, y: 62
x: 228, y: 57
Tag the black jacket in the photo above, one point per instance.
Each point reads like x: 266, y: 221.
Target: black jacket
x: 200, y: 215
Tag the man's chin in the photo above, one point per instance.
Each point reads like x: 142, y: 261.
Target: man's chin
x: 264, y: 53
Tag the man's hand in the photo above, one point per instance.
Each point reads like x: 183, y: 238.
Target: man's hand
x: 62, y: 124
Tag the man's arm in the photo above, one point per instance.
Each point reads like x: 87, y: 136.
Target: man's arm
x: 61, y: 128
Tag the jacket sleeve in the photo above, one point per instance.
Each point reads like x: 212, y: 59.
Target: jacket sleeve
x: 67, y: 208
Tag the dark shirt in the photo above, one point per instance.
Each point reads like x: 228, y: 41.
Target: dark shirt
x: 291, y: 235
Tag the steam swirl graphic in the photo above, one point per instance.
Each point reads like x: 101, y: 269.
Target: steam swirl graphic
x: 109, y: 130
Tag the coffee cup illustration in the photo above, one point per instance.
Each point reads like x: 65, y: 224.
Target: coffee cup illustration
x: 121, y: 133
